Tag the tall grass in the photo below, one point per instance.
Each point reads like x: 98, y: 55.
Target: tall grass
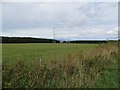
x: 76, y: 70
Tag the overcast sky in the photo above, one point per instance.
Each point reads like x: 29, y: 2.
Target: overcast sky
x: 71, y: 21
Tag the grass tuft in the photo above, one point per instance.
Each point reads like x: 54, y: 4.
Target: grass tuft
x: 76, y: 70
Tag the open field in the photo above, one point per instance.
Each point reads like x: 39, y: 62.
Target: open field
x: 46, y: 51
x: 60, y: 65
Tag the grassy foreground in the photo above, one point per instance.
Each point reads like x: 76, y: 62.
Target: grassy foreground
x: 59, y: 65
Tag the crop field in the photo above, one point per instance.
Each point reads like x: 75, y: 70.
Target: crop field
x: 62, y: 65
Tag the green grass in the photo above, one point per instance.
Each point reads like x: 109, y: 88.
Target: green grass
x: 40, y: 51
x: 60, y: 65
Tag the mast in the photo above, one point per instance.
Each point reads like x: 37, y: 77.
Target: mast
x: 54, y: 34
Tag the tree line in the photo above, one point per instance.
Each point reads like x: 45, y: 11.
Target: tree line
x: 27, y: 40
x: 42, y: 40
x: 89, y: 41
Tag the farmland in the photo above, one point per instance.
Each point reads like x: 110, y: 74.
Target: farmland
x: 59, y: 65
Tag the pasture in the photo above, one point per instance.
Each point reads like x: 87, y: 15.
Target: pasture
x: 46, y: 51
x: 59, y: 65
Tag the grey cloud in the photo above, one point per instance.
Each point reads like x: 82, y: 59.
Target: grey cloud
x: 69, y: 19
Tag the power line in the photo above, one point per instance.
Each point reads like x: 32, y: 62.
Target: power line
x: 54, y: 35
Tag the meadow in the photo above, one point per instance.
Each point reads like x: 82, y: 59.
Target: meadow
x: 60, y: 65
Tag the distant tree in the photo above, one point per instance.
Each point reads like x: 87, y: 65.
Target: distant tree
x: 27, y: 40
x: 64, y: 41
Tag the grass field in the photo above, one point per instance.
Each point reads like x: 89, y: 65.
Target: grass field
x: 60, y: 65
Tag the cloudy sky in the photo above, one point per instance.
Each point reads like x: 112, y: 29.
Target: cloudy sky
x: 70, y: 21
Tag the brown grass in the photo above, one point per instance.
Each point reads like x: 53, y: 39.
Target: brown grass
x: 73, y: 71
